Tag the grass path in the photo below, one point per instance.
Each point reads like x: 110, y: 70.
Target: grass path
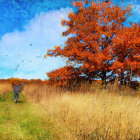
x: 22, y: 121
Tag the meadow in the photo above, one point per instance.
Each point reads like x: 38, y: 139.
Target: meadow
x: 48, y: 113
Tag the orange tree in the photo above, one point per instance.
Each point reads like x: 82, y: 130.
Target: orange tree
x: 94, y: 48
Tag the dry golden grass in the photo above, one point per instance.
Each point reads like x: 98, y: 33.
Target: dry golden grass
x: 38, y: 92
x: 97, y: 116
x: 5, y: 87
x: 101, y: 115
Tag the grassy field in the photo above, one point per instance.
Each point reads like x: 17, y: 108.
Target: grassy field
x: 45, y: 113
x: 23, y: 121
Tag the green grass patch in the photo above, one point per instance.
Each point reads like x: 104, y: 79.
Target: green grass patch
x: 22, y: 121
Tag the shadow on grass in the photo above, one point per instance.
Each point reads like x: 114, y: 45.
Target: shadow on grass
x: 20, y: 101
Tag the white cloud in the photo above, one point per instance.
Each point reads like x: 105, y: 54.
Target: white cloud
x: 27, y: 48
x: 34, y: 75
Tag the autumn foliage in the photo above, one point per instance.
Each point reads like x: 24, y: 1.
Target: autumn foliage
x: 100, y: 45
x: 14, y: 81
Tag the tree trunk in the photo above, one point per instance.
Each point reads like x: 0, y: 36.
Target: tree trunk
x: 121, y: 77
x: 104, y: 79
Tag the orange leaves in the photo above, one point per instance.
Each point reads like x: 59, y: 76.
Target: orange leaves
x: 14, y: 81
x: 99, y: 42
x: 134, y: 62
x: 127, y: 46
x: 63, y: 75
x: 78, y: 4
x: 55, y: 52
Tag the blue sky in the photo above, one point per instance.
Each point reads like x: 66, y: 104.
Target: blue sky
x: 28, y: 28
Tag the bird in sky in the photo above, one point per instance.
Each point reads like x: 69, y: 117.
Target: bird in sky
x: 38, y: 57
x: 16, y: 67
